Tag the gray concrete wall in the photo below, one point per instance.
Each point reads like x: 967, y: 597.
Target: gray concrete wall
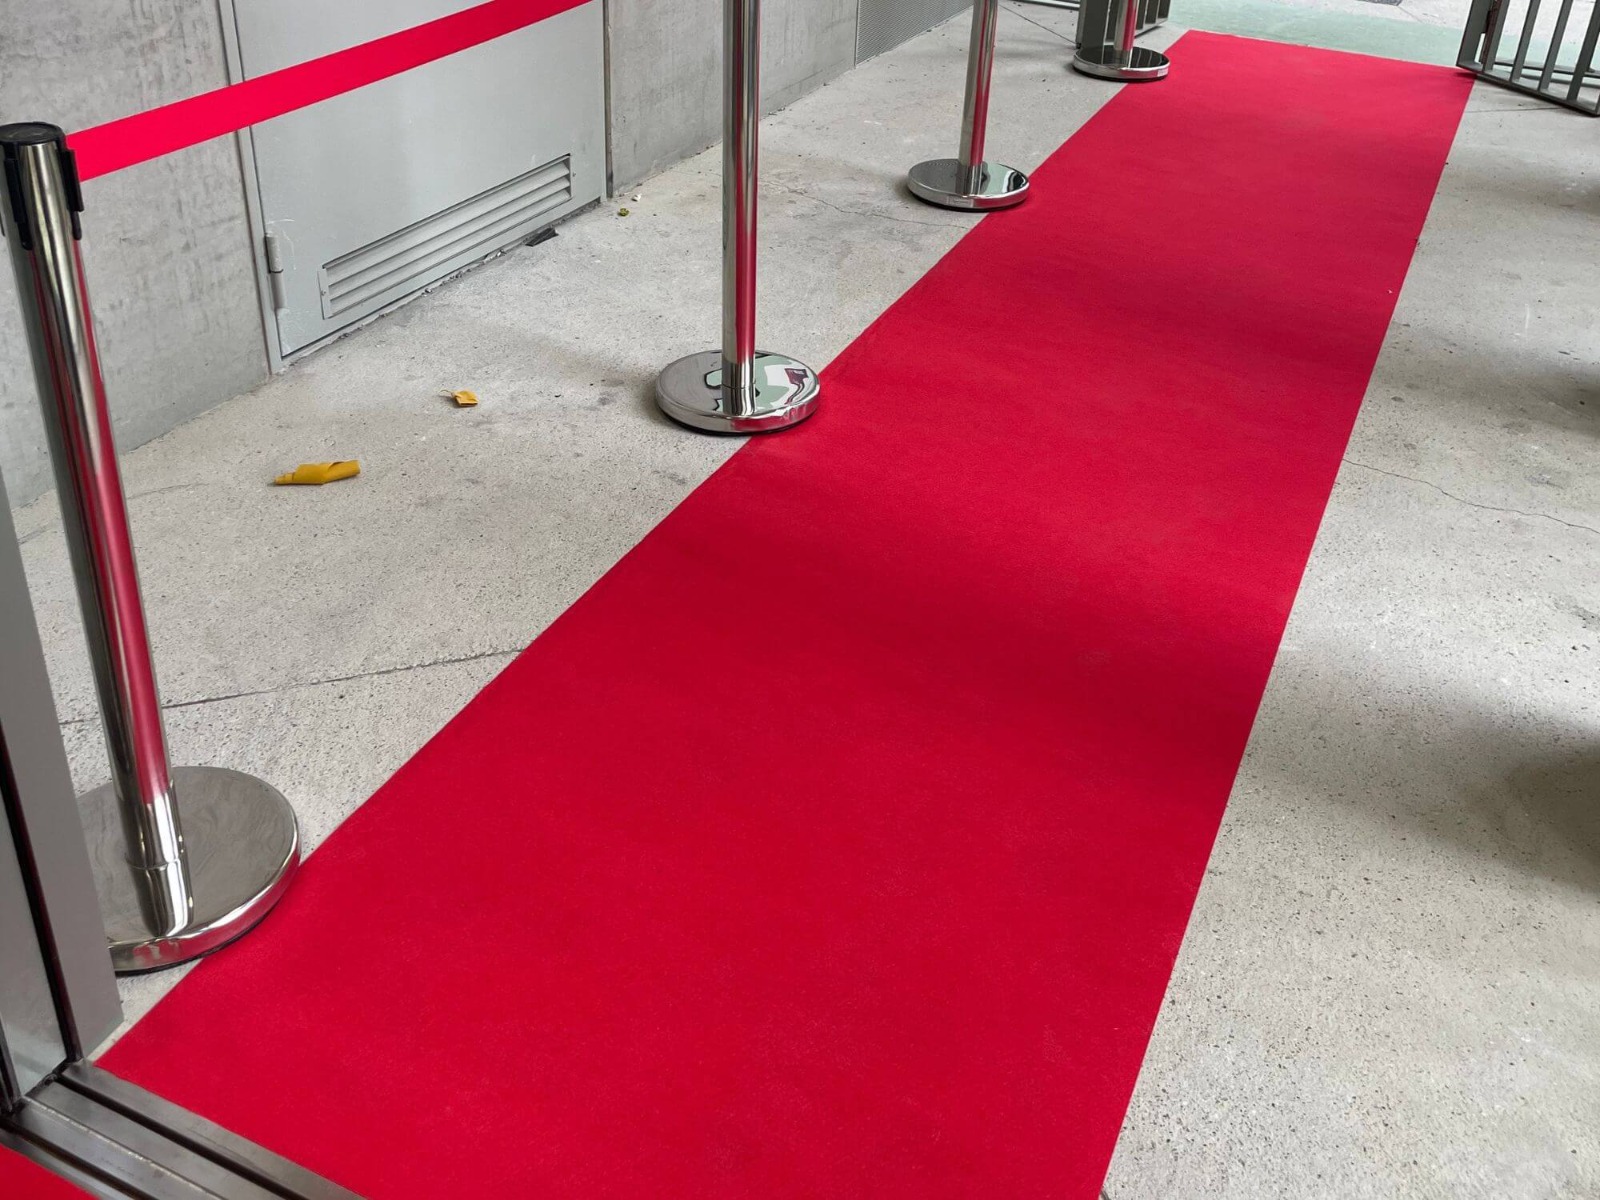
x: 666, y: 71
x: 166, y: 244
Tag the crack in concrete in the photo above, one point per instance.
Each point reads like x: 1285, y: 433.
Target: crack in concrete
x: 312, y: 683
x: 1472, y: 503
x: 850, y: 212
x: 1013, y: 10
x: 1551, y: 107
x: 55, y: 522
x: 171, y: 487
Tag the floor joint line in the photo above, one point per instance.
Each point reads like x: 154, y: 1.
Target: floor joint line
x: 1473, y: 503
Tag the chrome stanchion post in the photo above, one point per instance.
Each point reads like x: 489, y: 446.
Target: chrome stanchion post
x: 970, y: 182
x: 186, y: 860
x: 1106, y: 50
x: 739, y: 389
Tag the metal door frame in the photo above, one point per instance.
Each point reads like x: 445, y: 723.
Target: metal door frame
x: 245, y: 147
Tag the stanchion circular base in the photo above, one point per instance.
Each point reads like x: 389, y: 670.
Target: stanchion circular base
x: 1136, y: 66
x: 242, y: 844
x: 690, y: 392
x: 942, y: 181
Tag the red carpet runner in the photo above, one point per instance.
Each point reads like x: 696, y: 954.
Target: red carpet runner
x: 839, y: 842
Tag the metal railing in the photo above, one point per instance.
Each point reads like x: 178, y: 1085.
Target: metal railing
x: 1552, y: 59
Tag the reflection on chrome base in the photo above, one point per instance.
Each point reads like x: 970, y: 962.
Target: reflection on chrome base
x: 241, y: 847
x: 945, y: 182
x: 690, y: 392
x: 1134, y: 65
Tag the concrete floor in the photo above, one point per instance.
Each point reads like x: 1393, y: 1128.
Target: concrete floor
x: 1391, y: 982
x: 1391, y: 985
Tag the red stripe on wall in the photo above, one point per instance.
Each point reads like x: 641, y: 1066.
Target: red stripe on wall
x: 184, y: 123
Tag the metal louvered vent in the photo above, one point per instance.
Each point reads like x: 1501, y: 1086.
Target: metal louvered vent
x: 883, y: 24
x: 419, y: 254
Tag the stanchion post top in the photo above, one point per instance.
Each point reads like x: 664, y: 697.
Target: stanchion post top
x: 20, y: 134
x: 31, y: 133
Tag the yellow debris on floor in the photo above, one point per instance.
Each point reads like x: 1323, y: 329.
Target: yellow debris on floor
x: 463, y: 399
x: 319, y: 473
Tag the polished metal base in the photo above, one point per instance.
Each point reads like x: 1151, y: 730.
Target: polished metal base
x: 242, y: 844
x: 1134, y: 66
x: 690, y: 392
x: 943, y: 181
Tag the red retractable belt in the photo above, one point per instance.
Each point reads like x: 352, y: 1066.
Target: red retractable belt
x: 184, y: 123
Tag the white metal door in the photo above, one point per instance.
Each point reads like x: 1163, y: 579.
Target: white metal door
x: 370, y: 196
